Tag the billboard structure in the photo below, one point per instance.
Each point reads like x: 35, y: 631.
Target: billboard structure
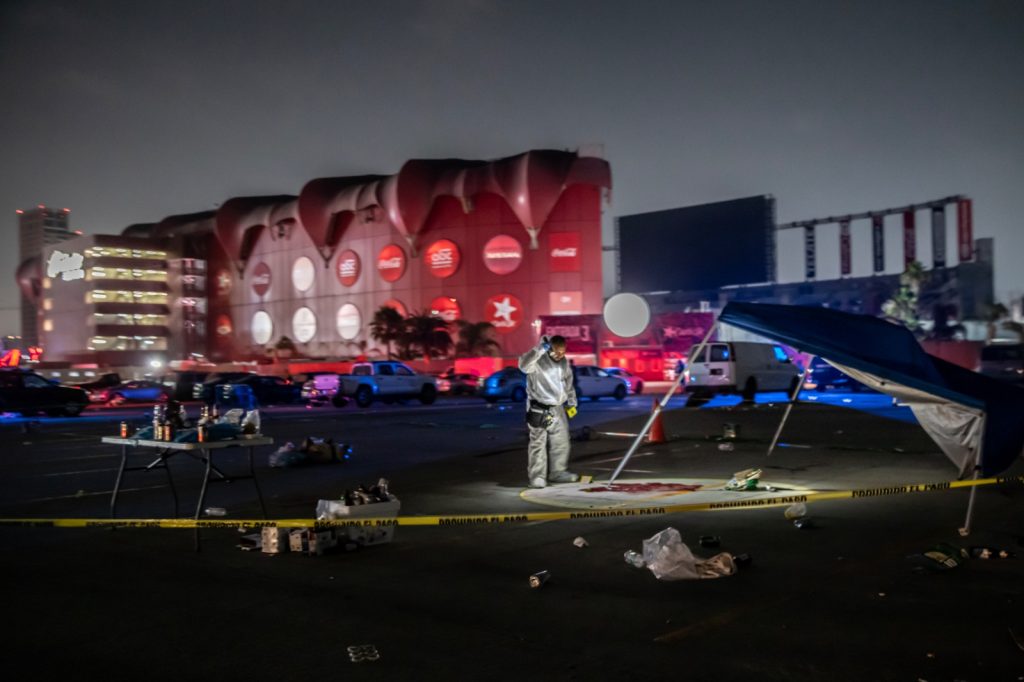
x: 698, y: 247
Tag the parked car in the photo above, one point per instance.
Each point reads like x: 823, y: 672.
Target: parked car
x: 634, y: 383
x: 458, y: 383
x: 205, y: 390
x: 1003, y: 361
x: 508, y: 383
x: 136, y: 391
x: 388, y: 381
x: 95, y: 386
x: 321, y: 389
x: 271, y: 390
x: 28, y: 393
x: 594, y: 383
x: 743, y: 367
x: 181, y: 384
x: 822, y: 376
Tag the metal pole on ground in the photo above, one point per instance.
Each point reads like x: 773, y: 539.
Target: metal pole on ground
x: 785, y: 415
x: 966, y: 530
x: 658, y: 408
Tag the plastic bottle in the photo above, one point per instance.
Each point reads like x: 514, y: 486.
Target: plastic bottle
x: 215, y: 511
x: 634, y: 558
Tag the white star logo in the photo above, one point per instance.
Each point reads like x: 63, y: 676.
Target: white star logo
x: 504, y: 309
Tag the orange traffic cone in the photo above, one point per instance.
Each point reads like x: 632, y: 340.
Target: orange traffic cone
x: 657, y: 431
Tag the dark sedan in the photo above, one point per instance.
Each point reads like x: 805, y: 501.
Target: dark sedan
x: 822, y: 376
x: 28, y: 393
x: 205, y: 390
x: 271, y: 390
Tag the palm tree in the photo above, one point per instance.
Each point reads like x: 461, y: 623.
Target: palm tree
x: 903, y: 306
x: 387, y: 326
x: 426, y: 334
x: 477, y: 339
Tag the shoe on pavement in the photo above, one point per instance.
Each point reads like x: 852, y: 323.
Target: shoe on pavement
x: 565, y: 477
x: 538, y: 483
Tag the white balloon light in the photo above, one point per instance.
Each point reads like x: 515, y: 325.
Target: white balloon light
x: 626, y: 315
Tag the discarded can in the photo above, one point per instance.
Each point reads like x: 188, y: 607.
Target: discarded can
x: 201, y: 433
x: 634, y: 558
x: 802, y: 523
x: 580, y: 542
x: 215, y: 511
x: 124, y: 429
x: 539, y: 578
x: 742, y: 559
x: 709, y: 541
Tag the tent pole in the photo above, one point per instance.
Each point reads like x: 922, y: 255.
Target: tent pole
x: 659, y: 407
x: 966, y: 530
x: 785, y: 415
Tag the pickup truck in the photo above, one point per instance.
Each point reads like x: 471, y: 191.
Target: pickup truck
x: 383, y: 380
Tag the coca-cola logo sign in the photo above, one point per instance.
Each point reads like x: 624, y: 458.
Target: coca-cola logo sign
x: 503, y: 254
x: 504, y: 311
x: 442, y: 258
x: 564, y: 252
x: 447, y: 308
x: 391, y: 263
x: 261, y: 279
x: 347, y: 267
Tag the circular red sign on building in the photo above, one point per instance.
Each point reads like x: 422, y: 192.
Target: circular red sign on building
x: 442, y: 258
x: 391, y: 263
x: 224, y: 326
x: 261, y: 279
x: 347, y: 267
x: 504, y: 311
x: 447, y: 308
x: 503, y: 254
x: 397, y: 305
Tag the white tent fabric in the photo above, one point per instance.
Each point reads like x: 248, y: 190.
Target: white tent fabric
x: 956, y: 428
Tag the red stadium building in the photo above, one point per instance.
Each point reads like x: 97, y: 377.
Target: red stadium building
x: 503, y: 241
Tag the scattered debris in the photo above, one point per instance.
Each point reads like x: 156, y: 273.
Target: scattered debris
x: 634, y: 558
x: 363, y: 503
x: 730, y: 431
x: 742, y: 560
x: 743, y: 480
x: 274, y: 540
x: 990, y: 553
x: 360, y: 653
x: 586, y: 479
x: 796, y: 511
x: 249, y: 543
x: 215, y: 511
x: 580, y: 542
x: 709, y: 541
x: 668, y: 558
x: 803, y: 523
x: 942, y: 557
x: 539, y: 578
x: 726, y: 447
x: 312, y: 451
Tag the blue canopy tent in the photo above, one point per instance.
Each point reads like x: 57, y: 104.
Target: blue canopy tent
x: 978, y: 422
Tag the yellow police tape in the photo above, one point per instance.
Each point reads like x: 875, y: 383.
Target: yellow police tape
x: 515, y: 517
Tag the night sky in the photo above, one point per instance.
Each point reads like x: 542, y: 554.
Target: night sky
x: 127, y: 112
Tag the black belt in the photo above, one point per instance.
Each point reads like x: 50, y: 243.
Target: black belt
x: 534, y: 403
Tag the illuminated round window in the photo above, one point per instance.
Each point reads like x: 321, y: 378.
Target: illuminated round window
x: 303, y: 273
x: 304, y: 325
x: 349, y: 321
x: 262, y: 327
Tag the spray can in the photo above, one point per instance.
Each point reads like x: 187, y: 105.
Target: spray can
x: 539, y: 578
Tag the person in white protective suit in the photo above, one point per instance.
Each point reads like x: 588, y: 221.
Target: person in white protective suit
x: 551, y: 401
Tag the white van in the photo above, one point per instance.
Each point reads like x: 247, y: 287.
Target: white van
x: 742, y: 367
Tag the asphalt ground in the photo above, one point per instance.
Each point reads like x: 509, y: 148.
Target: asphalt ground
x: 842, y: 600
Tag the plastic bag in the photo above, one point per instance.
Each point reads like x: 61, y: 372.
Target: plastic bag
x: 251, y: 422
x: 287, y: 456
x: 233, y: 416
x: 796, y: 511
x: 669, y: 558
